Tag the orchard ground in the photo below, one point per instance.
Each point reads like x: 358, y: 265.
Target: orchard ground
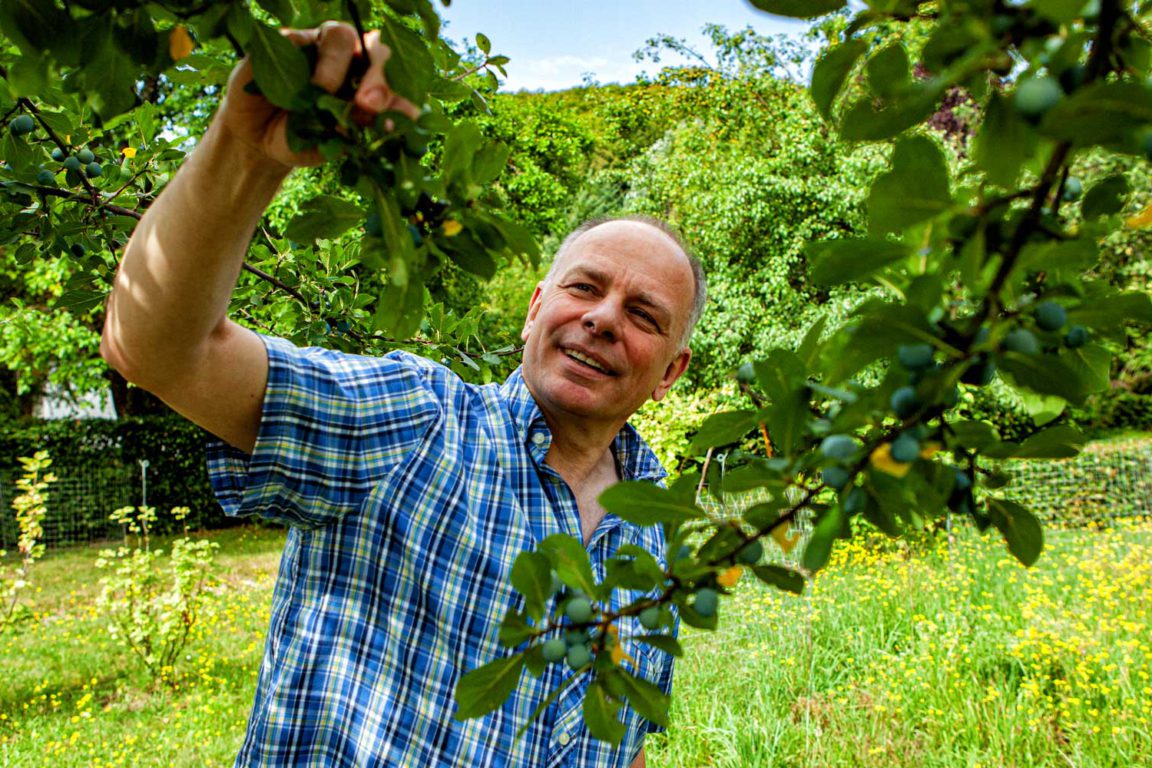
x: 900, y: 655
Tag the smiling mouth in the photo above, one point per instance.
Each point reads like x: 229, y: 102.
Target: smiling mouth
x: 589, y: 362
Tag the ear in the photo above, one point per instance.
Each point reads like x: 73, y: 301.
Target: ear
x: 533, y: 310
x: 674, y: 371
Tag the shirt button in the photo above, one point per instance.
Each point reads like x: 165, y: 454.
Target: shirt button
x: 564, y: 739
x: 538, y: 438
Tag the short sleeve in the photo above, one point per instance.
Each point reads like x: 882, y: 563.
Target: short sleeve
x: 332, y: 425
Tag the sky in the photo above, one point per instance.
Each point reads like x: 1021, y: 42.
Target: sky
x: 553, y: 44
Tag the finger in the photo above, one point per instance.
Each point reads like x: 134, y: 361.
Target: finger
x: 374, y: 95
x: 336, y: 44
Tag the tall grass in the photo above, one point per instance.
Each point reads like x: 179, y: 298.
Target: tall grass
x: 894, y: 658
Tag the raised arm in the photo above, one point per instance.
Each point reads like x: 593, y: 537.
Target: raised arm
x: 167, y: 329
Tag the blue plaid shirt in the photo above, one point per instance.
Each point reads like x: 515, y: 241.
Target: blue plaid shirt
x: 410, y: 493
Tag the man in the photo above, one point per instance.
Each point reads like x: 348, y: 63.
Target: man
x: 409, y: 493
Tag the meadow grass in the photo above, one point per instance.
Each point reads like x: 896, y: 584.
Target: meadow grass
x: 894, y: 657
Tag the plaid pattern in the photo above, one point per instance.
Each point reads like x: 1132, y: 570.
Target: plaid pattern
x: 410, y: 493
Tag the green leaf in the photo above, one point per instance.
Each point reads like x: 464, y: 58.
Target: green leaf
x: 851, y: 259
x: 800, y: 9
x: 915, y: 190
x: 1059, y: 442
x: 1020, y: 528
x: 1106, y: 197
x: 831, y: 71
x: 724, y: 428
x: 780, y: 577
x: 410, y: 67
x: 487, y: 688
x: 645, y: 697
x: 809, y: 350
x: 867, y: 120
x: 279, y: 68
x: 1100, y: 113
x: 515, y: 629
x: 666, y: 643
x: 1004, y: 142
x: 570, y: 561
x: 643, y: 503
x: 974, y: 435
x: 400, y: 308
x: 323, y: 217
x: 601, y: 714
x: 532, y: 578
x: 824, y: 533
x: 1045, y: 374
x: 888, y: 70
x: 483, y: 43
x: 1114, y: 309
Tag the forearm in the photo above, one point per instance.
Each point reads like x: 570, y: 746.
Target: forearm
x: 172, y: 291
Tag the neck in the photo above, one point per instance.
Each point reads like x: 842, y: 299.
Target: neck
x: 580, y: 450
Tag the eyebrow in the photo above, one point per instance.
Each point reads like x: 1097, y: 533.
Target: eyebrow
x: 665, y: 314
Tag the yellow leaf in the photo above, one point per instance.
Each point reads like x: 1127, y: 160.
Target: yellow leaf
x: 128, y: 152
x: 1140, y: 220
x: 928, y: 450
x: 730, y: 577
x: 179, y: 43
x: 452, y: 228
x: 618, y: 655
x: 785, y: 538
x: 882, y: 459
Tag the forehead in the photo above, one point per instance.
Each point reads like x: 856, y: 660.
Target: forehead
x: 636, y: 253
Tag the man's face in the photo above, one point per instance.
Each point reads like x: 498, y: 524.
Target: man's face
x: 603, y: 335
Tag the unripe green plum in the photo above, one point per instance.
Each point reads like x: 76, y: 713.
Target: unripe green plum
x: 1050, y: 316
x: 46, y: 178
x: 905, y: 448
x: 576, y: 637
x: 22, y: 125
x: 684, y: 552
x: 85, y: 156
x: 750, y: 553
x: 905, y: 402
x: 835, y: 477
x: 58, y: 155
x: 579, y: 609
x: 1035, y: 96
x: 706, y: 602
x: 555, y: 650
x: 579, y: 656
x: 838, y: 447
x: 93, y: 169
x: 650, y: 617
x: 72, y: 163
x: 1077, y: 337
x: 916, y: 357
x: 746, y: 374
x: 1021, y: 340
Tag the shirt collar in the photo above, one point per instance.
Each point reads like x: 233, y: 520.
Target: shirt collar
x: 633, y: 456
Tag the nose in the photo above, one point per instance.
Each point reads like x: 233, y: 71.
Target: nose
x: 602, y: 320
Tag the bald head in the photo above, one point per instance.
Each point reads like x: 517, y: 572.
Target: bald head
x: 678, y: 251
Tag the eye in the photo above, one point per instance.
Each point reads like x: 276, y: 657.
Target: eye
x: 582, y: 287
x: 646, y: 318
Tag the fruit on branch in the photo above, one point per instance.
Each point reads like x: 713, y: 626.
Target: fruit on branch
x: 905, y: 402
x: 839, y: 447
x: 905, y: 448
x: 835, y: 477
x: 85, y: 156
x: 1073, y: 189
x: 555, y: 650
x: 46, y: 178
x: 579, y: 656
x: 93, y: 169
x: 1077, y: 336
x: 72, y: 163
x: 579, y: 609
x: 22, y: 125
x: 1035, y: 96
x: 1021, y: 340
x: 1050, y: 316
x: 650, y: 617
x: 58, y: 155
x: 916, y: 357
x: 750, y: 553
x: 706, y: 602
x: 856, y: 501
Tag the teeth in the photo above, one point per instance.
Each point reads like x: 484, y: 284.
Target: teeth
x: 586, y: 360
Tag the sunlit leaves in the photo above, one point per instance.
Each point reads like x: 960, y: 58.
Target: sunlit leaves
x: 486, y: 688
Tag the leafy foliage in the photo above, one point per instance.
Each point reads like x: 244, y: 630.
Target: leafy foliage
x: 153, y: 601
x: 30, y: 508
